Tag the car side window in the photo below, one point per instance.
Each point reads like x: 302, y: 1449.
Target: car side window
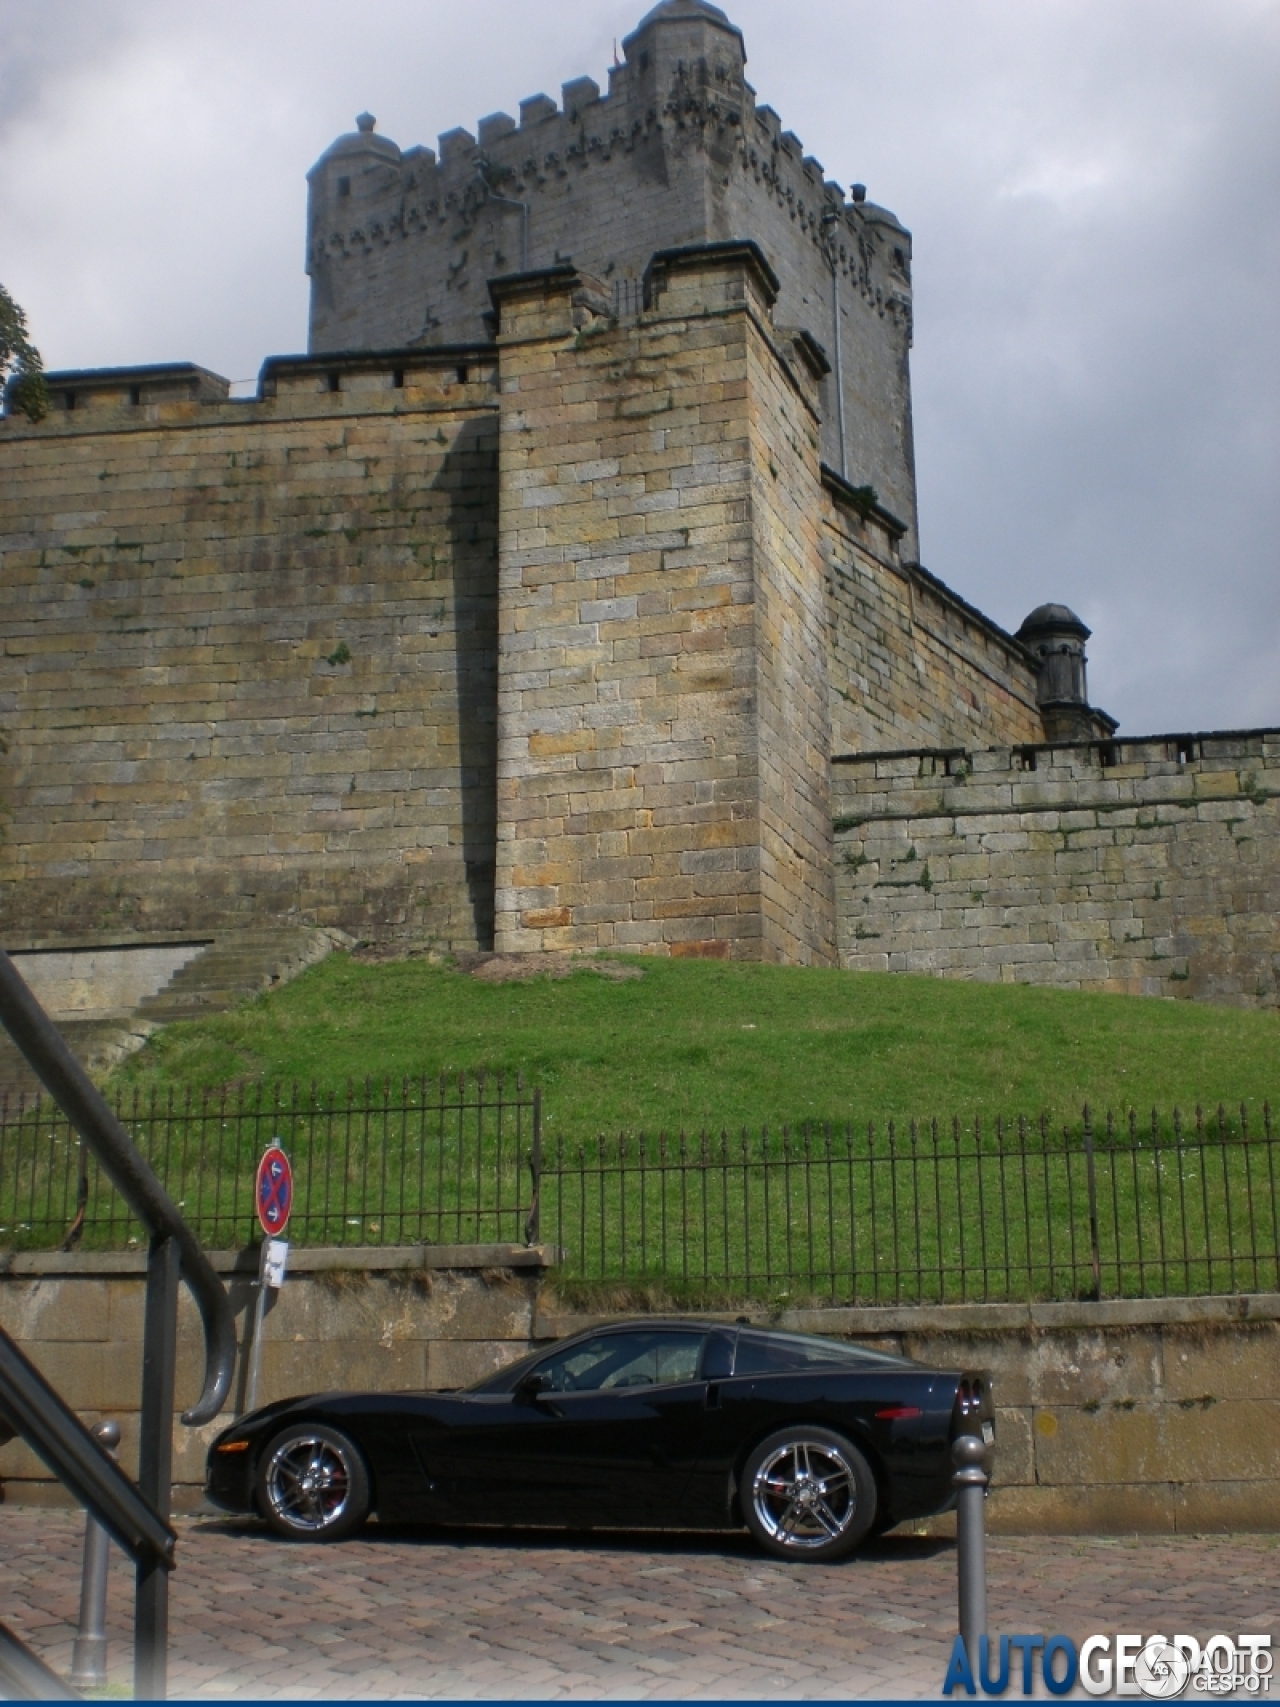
x: 611, y: 1361
x: 770, y: 1354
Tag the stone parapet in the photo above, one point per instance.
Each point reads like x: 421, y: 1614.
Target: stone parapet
x: 1145, y: 866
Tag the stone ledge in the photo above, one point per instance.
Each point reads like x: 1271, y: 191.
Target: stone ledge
x: 370, y: 1259
x: 996, y: 1318
x: 871, y: 1321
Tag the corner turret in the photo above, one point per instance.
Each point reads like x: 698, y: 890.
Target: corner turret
x: 359, y: 163
x: 689, y: 30
x: 1055, y: 637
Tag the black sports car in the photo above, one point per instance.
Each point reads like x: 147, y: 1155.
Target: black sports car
x: 812, y: 1443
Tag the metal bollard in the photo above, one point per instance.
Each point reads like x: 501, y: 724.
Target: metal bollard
x: 968, y: 1454
x: 89, y: 1654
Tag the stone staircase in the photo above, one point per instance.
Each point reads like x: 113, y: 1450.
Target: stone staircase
x: 233, y: 967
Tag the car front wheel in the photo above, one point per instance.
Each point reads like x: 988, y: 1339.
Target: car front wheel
x: 313, y: 1484
x: 807, y: 1493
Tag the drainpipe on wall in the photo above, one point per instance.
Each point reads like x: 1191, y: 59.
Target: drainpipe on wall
x: 830, y: 220
x: 510, y: 201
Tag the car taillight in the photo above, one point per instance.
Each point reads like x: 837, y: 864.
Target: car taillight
x: 970, y: 1395
x: 895, y: 1413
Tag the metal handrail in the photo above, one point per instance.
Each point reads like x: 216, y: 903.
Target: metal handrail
x: 84, y: 1106
x: 24, y: 1676
x: 53, y: 1431
x: 175, y: 1253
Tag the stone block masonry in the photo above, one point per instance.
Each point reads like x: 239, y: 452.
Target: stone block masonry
x: 892, y: 623
x: 529, y: 609
x: 663, y: 763
x: 1149, y: 867
x: 249, y: 651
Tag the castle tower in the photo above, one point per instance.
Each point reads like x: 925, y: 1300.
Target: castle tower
x: 402, y: 245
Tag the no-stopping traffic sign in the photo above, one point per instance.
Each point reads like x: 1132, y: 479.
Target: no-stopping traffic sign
x: 273, y: 1192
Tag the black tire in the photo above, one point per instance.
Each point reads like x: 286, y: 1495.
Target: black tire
x: 313, y: 1483
x: 808, y: 1494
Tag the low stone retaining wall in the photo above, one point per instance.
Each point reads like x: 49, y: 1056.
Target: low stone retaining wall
x: 1118, y: 1417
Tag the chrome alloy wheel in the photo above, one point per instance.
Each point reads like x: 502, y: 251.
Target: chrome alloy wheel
x: 804, y: 1494
x: 307, y: 1482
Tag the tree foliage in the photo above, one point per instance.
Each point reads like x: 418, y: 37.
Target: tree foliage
x: 21, y: 370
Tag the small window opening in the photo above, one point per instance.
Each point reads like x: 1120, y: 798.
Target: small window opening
x: 1107, y: 754
x: 397, y: 379
x: 1025, y: 758
x: 957, y: 764
x: 335, y: 382
x: 69, y: 399
x: 344, y: 186
x: 462, y: 374
x: 135, y: 395
x: 1186, y: 751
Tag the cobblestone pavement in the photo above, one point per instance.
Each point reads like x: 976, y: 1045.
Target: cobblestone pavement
x: 423, y: 1614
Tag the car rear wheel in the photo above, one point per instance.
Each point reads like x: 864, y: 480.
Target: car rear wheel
x: 313, y: 1484
x: 807, y: 1493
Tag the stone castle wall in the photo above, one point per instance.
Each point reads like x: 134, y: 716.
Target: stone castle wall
x: 909, y: 663
x: 252, y: 648
x: 549, y: 641
x: 248, y: 657
x: 1149, y: 867
x: 401, y: 245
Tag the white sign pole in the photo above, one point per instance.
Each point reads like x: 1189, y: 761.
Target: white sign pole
x: 255, y: 1346
x: 271, y: 1272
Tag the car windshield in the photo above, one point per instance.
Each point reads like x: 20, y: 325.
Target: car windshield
x: 767, y: 1354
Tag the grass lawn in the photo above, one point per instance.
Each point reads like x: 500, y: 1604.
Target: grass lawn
x: 694, y: 1043
x: 834, y: 1210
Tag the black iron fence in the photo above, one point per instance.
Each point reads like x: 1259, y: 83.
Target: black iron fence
x: 426, y: 1161
x: 928, y: 1212
x: 922, y: 1212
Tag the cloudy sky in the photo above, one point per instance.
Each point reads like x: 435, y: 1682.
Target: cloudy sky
x: 1093, y: 188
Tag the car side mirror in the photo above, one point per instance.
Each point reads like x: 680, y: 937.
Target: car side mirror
x: 530, y: 1388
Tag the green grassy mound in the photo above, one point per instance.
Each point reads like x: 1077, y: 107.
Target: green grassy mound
x: 692, y: 1044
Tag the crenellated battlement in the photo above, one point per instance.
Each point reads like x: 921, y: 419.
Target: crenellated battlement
x: 676, y: 151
